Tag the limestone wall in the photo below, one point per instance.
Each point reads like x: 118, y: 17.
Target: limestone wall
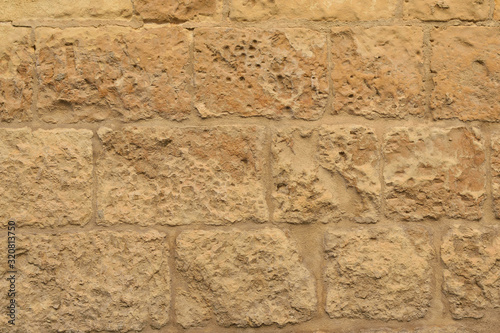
x: 251, y: 165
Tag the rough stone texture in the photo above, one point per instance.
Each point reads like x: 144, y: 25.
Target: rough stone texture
x: 434, y: 173
x: 211, y: 175
x: 175, y: 10
x: 260, y: 72
x: 495, y: 172
x: 496, y: 15
x: 354, y: 10
x: 16, y: 74
x: 90, y: 281
x: 46, y: 176
x: 191, y: 310
x: 311, y: 169
x: 472, y: 269
x: 466, y: 63
x: 431, y: 329
x: 247, y: 278
x: 92, y: 74
x: 64, y: 9
x: 378, y: 71
x: 444, y: 10
x: 378, y: 273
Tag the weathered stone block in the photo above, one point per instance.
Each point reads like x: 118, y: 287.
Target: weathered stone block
x: 90, y: 281
x: 325, y: 174
x: 434, y: 173
x: 92, y: 74
x: 472, y: 267
x: 246, y: 278
x: 176, y: 10
x: 64, y: 9
x: 211, y: 175
x: 17, y: 65
x: 443, y: 10
x: 466, y: 66
x: 255, y: 72
x: 356, y: 10
x: 378, y: 71
x: 46, y: 176
x: 378, y: 273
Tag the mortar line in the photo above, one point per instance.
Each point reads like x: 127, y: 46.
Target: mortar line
x: 268, y: 175
x: 36, y: 87
x: 428, y: 80
x: 488, y: 205
x: 491, y: 11
x: 330, y: 107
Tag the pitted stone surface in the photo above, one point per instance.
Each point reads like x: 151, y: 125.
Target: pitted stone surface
x: 434, y: 173
x: 256, y: 72
x: 378, y: 273
x: 94, y: 74
x: 311, y: 168
x: 175, y: 10
x: 91, y: 281
x: 472, y: 268
x: 175, y: 176
x: 466, y: 66
x: 378, y: 71
x: 247, y: 278
x: 46, y: 176
x: 17, y: 65
x: 444, y: 10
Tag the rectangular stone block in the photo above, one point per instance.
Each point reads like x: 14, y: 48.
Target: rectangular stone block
x: 245, y: 278
x: 46, y: 176
x: 325, y: 174
x: 434, y: 173
x: 466, y: 66
x: 176, y: 11
x: 472, y: 269
x: 378, y: 273
x: 176, y: 176
x: 17, y: 66
x: 444, y: 10
x: 251, y: 72
x: 91, y: 281
x: 378, y: 71
x: 93, y: 74
x: 355, y: 10
x: 64, y: 9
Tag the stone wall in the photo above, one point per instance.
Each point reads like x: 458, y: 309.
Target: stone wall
x: 251, y: 165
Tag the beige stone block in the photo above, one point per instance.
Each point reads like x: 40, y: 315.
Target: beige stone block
x: 443, y: 10
x: 378, y: 71
x: 251, y: 72
x: 247, y: 278
x: 378, y: 273
x: 466, y: 66
x: 93, y: 74
x: 90, y: 281
x: 342, y: 10
x: 472, y: 266
x: 325, y: 174
x: 16, y: 74
x: 496, y: 15
x: 64, y: 9
x: 176, y: 10
x: 46, y: 176
x: 434, y: 172
x: 176, y: 176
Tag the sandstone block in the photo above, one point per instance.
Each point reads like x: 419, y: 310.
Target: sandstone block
x: 16, y: 74
x: 175, y: 176
x: 246, y: 278
x: 323, y: 175
x: 175, y: 11
x: 378, y: 71
x: 443, y: 10
x: 64, y: 9
x: 356, y: 10
x: 92, y: 74
x: 255, y: 72
x: 378, y: 273
x: 466, y: 66
x: 472, y: 267
x: 495, y: 172
x: 434, y: 173
x: 91, y: 281
x: 46, y: 176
